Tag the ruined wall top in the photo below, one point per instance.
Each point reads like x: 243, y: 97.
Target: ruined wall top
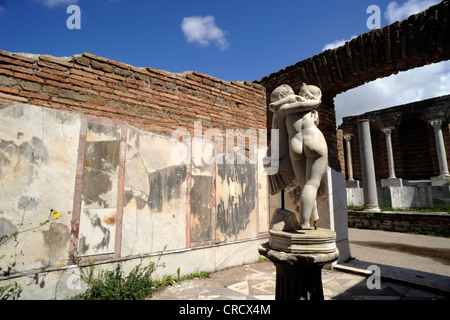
x: 421, y: 39
x: 150, y: 99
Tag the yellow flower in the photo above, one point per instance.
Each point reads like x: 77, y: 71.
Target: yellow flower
x: 56, y: 214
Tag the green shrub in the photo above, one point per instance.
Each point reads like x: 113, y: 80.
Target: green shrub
x: 114, y: 285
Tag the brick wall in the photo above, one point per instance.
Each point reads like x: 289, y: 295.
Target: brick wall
x: 149, y: 99
x: 341, y: 150
x: 399, y: 222
x: 420, y: 39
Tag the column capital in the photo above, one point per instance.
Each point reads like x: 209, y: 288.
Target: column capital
x: 348, y: 136
x: 436, y: 122
x: 387, y: 130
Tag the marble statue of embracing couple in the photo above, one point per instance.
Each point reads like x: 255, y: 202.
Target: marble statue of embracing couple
x: 303, y: 153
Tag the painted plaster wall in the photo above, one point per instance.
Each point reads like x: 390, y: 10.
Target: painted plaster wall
x: 38, y: 160
x: 130, y: 193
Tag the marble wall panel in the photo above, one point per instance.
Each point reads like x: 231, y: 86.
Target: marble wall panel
x: 132, y: 192
x: 38, y: 159
x: 202, y: 192
x: 99, y: 189
x: 236, y: 201
x: 154, y: 215
x: 263, y: 194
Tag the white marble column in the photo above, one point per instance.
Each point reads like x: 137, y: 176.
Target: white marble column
x: 440, y: 147
x: 348, y: 138
x: 390, y: 154
x: 367, y: 167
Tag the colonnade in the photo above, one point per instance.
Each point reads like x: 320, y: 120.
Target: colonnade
x: 367, y: 162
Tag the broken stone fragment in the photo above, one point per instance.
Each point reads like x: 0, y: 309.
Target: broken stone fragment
x: 284, y: 220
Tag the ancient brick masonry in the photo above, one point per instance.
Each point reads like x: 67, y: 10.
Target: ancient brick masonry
x: 146, y: 98
x: 421, y: 39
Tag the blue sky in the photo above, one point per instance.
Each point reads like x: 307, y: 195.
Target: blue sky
x: 230, y: 40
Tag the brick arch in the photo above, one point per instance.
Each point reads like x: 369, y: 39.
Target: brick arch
x: 419, y: 40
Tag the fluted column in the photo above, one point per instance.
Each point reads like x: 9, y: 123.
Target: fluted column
x: 367, y: 167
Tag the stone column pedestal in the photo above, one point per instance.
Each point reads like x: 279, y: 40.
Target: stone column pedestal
x: 299, y: 271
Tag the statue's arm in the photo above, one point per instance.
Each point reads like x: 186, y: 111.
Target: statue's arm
x: 286, y: 100
x: 299, y: 106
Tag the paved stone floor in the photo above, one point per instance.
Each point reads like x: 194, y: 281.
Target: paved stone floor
x: 257, y: 282
x: 417, y: 263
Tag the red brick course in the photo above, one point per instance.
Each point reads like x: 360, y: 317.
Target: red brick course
x: 146, y: 98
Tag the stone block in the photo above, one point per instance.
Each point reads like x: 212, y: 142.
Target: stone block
x: 405, y: 197
x: 73, y: 95
x: 391, y: 182
x: 101, y: 66
x: 333, y: 211
x: 82, y: 60
x: 439, y: 181
x: 284, y: 220
x: 440, y: 191
x: 7, y: 81
x: 355, y: 196
x: 353, y: 184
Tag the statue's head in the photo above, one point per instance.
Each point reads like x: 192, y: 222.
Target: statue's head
x: 310, y: 92
x: 281, y: 92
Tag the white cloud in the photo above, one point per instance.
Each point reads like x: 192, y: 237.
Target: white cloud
x: 2, y: 10
x: 414, y: 85
x: 54, y: 3
x: 203, y: 30
x: 337, y: 43
x: 394, y: 12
